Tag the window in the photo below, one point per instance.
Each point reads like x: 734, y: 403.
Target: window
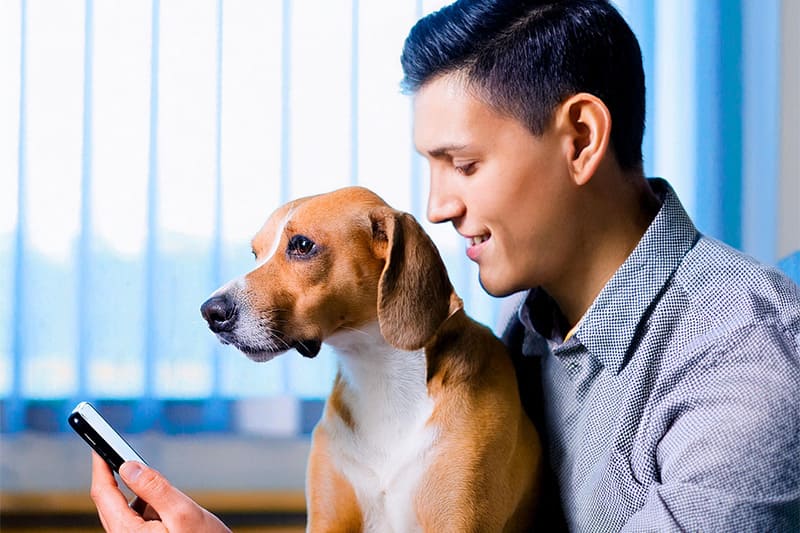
x: 143, y: 143
x: 154, y: 138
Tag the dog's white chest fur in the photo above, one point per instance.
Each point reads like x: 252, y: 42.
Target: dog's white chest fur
x: 386, y: 453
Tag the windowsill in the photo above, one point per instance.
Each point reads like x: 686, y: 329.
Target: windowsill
x: 229, y: 473
x: 245, y: 511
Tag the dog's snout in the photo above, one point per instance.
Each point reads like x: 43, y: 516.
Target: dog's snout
x: 220, y: 313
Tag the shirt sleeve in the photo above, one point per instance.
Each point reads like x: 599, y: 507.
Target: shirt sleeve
x: 728, y: 457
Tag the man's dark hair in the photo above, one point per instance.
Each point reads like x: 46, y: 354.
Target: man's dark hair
x: 524, y: 57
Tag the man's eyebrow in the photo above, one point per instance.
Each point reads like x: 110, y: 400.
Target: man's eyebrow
x: 446, y: 150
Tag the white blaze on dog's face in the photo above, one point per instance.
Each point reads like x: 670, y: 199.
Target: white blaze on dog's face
x: 317, y: 273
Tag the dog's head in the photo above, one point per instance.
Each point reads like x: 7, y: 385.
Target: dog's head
x: 330, y: 263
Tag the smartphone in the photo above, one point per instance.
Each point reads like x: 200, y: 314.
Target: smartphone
x: 98, y: 433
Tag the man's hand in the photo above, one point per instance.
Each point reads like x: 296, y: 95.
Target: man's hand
x: 168, y: 509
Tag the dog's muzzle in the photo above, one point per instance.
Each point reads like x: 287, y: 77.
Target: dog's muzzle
x: 222, y: 314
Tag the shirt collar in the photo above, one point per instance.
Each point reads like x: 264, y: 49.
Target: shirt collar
x: 609, y: 325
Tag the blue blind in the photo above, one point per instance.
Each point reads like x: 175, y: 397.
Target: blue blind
x: 143, y: 143
x: 152, y: 140
x: 712, y: 127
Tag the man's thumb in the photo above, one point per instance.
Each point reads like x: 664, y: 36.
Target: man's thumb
x: 149, y: 484
x: 130, y: 471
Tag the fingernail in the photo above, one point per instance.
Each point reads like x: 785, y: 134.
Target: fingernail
x: 130, y: 470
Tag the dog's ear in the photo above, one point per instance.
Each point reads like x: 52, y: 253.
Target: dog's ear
x: 414, y: 292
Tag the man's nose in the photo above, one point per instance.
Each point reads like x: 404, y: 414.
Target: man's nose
x: 443, y: 202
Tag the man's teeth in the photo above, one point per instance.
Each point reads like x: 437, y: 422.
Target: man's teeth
x: 473, y: 241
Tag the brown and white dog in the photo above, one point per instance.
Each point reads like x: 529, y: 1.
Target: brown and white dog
x: 423, y: 430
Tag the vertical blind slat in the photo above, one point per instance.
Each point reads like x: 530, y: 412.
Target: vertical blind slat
x: 761, y: 123
x: 85, y: 285
x: 216, y: 247
x: 15, y: 407
x: 354, y: 101
x: 286, y: 112
x: 718, y: 101
x: 151, y: 302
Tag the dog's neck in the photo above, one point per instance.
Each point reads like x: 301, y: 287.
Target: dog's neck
x: 379, y: 377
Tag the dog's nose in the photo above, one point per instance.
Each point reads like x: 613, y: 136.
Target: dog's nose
x: 220, y: 313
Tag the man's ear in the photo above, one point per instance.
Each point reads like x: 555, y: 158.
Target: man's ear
x: 585, y: 122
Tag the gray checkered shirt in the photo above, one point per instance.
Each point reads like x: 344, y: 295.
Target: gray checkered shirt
x: 675, y: 406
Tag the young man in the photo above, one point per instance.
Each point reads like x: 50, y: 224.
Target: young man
x: 661, y: 367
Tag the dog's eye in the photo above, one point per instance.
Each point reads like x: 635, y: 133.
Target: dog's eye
x: 300, y: 245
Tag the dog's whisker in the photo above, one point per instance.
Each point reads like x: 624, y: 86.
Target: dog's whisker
x: 356, y: 330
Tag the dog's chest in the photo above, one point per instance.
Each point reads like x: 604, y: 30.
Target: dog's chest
x: 385, y: 474
x: 387, y: 452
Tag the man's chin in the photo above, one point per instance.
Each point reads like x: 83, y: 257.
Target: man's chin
x: 493, y: 288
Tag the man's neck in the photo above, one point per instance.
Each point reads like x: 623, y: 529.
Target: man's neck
x: 616, y: 212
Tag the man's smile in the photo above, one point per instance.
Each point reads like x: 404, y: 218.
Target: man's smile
x: 475, y: 244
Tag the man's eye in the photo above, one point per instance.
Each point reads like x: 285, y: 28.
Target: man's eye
x: 465, y: 169
x: 300, y: 245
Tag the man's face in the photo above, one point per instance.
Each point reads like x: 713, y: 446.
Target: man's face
x: 505, y: 190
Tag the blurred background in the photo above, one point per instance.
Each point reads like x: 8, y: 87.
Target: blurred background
x: 142, y: 144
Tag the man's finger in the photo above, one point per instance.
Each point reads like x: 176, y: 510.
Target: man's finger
x: 138, y: 505
x: 112, y: 506
x: 101, y: 472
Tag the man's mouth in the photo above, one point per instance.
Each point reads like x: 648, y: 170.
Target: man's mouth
x: 474, y: 245
x: 478, y: 239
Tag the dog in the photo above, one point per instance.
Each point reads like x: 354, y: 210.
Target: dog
x: 423, y: 429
